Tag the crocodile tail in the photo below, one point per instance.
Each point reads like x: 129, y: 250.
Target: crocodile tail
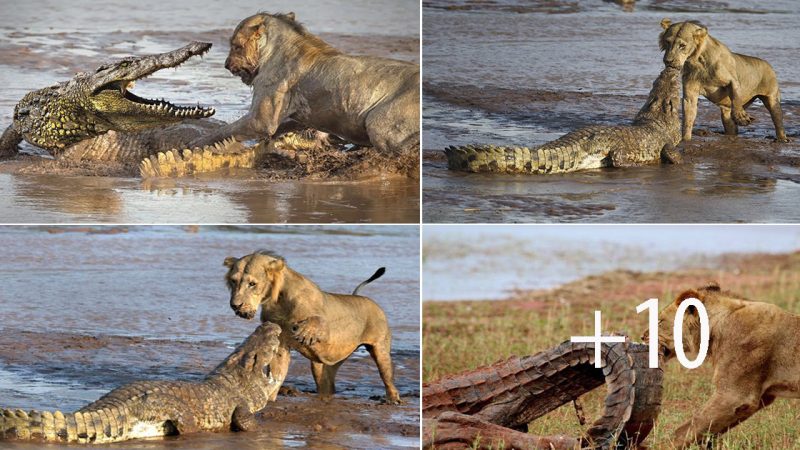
x: 101, y: 426
x: 222, y: 155
x: 499, y: 159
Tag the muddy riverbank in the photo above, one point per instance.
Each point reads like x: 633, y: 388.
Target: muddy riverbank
x: 554, y: 67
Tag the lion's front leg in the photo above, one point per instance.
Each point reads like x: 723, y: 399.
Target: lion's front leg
x: 311, y: 331
x: 267, y: 111
x: 690, y: 94
x: 721, y: 412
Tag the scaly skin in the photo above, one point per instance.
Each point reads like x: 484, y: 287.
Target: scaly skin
x: 92, y: 103
x: 497, y: 402
x: 226, y: 399
x: 649, y: 139
x: 226, y: 154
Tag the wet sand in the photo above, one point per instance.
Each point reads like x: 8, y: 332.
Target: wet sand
x: 553, y: 67
x: 63, y: 41
x: 114, y: 305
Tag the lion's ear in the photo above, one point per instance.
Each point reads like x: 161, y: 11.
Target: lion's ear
x: 665, y: 23
x: 230, y: 261
x: 700, y: 35
x: 276, y: 265
x: 291, y: 16
x: 712, y: 286
x: 691, y: 293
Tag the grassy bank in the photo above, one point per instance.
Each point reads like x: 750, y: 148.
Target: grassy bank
x: 464, y: 335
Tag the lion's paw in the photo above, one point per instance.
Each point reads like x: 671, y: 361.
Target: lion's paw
x: 310, y: 331
x: 742, y: 118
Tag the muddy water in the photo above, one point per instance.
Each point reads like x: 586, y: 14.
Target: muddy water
x: 82, y: 312
x: 537, y: 257
x: 68, y: 37
x: 524, y: 73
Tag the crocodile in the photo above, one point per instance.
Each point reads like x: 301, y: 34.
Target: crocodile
x: 650, y: 138
x: 225, y: 400
x: 490, y: 407
x: 95, y: 117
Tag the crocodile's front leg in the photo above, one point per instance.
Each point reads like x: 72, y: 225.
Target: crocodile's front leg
x: 671, y: 155
x: 243, y: 419
x: 9, y: 141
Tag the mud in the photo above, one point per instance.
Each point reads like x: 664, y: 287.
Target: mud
x: 78, y: 36
x: 119, y: 304
x: 540, y: 76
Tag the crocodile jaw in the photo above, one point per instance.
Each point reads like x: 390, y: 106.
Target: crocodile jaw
x: 111, y: 98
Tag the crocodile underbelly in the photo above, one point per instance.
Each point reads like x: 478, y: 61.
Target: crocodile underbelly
x: 149, y: 429
x: 593, y: 161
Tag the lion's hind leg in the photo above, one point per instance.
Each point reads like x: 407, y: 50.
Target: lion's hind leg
x: 381, y: 353
x: 773, y: 105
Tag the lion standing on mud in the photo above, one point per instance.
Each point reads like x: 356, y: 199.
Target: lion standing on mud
x: 325, y: 328
x: 753, y: 349
x: 300, y: 81
x: 729, y: 80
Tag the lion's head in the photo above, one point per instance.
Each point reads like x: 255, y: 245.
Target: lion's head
x: 253, y: 280
x: 681, y: 40
x: 691, y: 323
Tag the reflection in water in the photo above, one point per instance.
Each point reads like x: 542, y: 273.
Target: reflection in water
x: 235, y: 199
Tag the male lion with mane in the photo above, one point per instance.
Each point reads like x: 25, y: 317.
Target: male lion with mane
x: 300, y: 81
x: 753, y: 349
x: 729, y: 80
x: 325, y: 328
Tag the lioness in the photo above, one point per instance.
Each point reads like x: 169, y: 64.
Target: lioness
x: 325, y: 328
x: 300, y: 81
x: 729, y: 80
x: 753, y: 350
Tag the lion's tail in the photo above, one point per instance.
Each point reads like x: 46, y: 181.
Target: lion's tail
x: 378, y: 273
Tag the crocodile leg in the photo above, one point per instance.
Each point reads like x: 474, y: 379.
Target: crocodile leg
x: 9, y: 141
x: 243, y: 419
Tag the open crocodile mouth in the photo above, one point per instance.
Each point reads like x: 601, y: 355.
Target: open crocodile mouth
x: 151, y: 106
x: 114, y: 82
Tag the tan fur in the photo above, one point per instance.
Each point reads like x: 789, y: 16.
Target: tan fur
x: 729, y: 80
x: 299, y: 81
x: 325, y: 328
x: 753, y: 350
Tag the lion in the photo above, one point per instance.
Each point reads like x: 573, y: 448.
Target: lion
x: 729, y: 80
x: 326, y: 328
x: 299, y: 81
x: 753, y: 350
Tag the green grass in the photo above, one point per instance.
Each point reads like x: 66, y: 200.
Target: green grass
x: 458, y: 336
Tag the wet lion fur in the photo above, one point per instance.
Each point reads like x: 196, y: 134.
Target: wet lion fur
x: 731, y: 81
x: 326, y: 328
x: 300, y: 81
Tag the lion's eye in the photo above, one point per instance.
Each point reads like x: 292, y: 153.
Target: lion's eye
x: 252, y: 284
x: 683, y: 46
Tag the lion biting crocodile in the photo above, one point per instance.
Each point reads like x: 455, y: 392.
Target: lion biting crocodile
x: 650, y: 138
x: 225, y: 400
